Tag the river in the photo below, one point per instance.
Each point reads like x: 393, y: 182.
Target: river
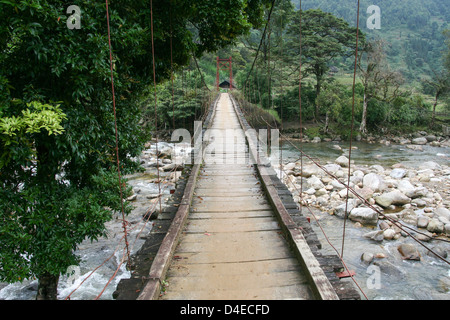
x: 389, y: 278
x: 386, y: 278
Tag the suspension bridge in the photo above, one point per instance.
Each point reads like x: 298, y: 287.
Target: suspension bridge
x: 237, y: 232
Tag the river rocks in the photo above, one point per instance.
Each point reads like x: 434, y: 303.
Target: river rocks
x: 165, y: 152
x: 342, y: 161
x: 316, y: 140
x: 375, y: 235
x: 431, y: 165
x: 435, y: 226
x: 447, y: 229
x: 308, y: 171
x: 171, y: 167
x: 367, y: 257
x: 415, y: 197
x: 409, y: 216
x: 408, y: 251
x: 398, y: 173
x: 422, y: 221
x: 419, y: 141
x: 340, y: 211
x: 405, y: 186
x: 315, y: 183
x: 374, y: 182
x: 364, y: 192
x: 443, y: 212
x: 439, y: 251
x: 365, y: 216
x: 394, y: 197
x: 332, y: 168
x: 389, y: 234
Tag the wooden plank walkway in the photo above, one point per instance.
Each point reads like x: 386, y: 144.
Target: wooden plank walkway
x: 232, y: 246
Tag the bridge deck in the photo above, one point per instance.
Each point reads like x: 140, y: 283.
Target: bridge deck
x: 232, y: 246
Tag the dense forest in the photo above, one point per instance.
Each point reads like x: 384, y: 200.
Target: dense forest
x: 413, y: 30
x: 402, y: 78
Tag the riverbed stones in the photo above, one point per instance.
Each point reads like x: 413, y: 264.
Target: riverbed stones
x: 332, y: 167
x: 419, y: 141
x: 342, y: 161
x: 341, y: 212
x: 394, y: 197
x: 398, y: 173
x: 365, y: 216
x: 442, y: 212
x: 389, y: 234
x: 409, y: 216
x: 315, y: 182
x: 414, y: 196
x: 364, y: 192
x: 422, y: 221
x: 384, y: 225
x: 435, y: 226
x: 408, y: 251
x: 432, y: 165
x: 308, y: 171
x: 377, y: 235
x: 374, y: 182
x: 367, y: 257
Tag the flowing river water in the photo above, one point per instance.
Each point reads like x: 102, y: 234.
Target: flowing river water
x: 386, y: 278
x: 389, y: 277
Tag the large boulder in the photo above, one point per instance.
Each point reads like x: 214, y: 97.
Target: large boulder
x: 342, y: 161
x: 364, y: 192
x: 398, y: 173
x: 408, y: 251
x: 394, y: 197
x: 365, y: 216
x: 419, y: 141
x: 442, y: 212
x: 406, y: 187
x: 315, y: 182
x: 374, y: 182
x: 409, y: 216
x: 308, y: 170
x: 435, y: 226
x: 377, y: 235
x: 332, y: 167
x: 430, y: 165
x: 340, y: 211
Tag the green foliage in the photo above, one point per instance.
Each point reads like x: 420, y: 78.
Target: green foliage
x: 42, y: 224
x: 413, y: 28
x: 58, y: 179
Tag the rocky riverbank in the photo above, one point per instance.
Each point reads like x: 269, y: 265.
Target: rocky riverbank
x: 410, y: 201
x: 413, y: 141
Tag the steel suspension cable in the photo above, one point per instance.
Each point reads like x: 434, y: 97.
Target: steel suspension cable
x: 351, y: 130
x: 124, y: 223
x: 156, y: 101
x: 300, y: 106
x: 261, y: 41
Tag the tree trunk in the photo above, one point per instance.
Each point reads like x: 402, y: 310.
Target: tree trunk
x: 318, y: 85
x: 47, y: 287
x: 434, y: 111
x: 363, y: 126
